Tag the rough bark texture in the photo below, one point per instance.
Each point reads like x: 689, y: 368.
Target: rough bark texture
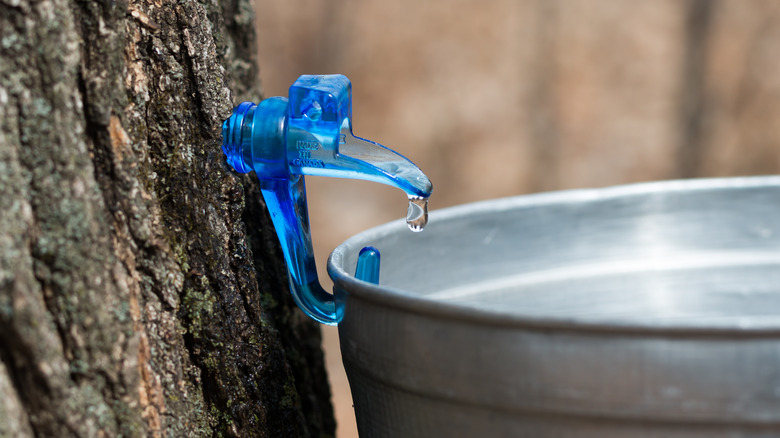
x: 140, y: 294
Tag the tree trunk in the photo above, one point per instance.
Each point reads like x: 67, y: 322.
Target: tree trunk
x: 141, y: 287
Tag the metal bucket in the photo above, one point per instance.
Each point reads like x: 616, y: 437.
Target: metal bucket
x: 648, y: 310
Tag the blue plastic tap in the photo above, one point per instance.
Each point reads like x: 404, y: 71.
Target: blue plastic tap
x: 310, y: 133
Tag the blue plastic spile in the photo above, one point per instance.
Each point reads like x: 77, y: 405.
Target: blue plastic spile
x: 310, y: 133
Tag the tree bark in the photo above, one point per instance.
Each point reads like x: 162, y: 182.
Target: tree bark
x: 141, y: 288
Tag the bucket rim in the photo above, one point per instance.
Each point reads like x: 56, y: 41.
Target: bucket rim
x: 408, y: 302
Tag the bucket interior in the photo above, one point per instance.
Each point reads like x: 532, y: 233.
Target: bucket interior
x: 697, y: 253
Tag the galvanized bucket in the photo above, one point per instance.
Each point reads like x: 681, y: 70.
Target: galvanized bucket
x: 648, y: 310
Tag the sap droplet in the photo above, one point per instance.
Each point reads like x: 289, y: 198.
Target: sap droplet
x: 417, y: 214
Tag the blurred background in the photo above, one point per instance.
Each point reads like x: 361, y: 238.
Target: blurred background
x: 506, y: 97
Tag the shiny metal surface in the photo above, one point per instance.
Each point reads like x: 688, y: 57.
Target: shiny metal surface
x: 649, y: 310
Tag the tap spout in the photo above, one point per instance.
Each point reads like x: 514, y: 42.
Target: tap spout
x: 377, y: 163
x: 349, y: 156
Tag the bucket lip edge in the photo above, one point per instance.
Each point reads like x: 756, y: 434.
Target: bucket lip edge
x: 412, y: 303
